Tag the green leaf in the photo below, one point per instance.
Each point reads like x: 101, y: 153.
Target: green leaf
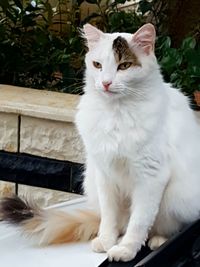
x: 174, y: 77
x: 145, y: 6
x: 194, y: 72
x: 164, y: 43
x: 188, y: 43
x: 192, y: 57
x: 171, y: 60
x: 19, y: 3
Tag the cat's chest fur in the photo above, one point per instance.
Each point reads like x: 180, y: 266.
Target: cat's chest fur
x: 112, y: 134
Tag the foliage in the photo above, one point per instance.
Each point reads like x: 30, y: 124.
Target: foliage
x: 156, y: 10
x: 30, y: 53
x: 110, y: 18
x: 180, y: 66
x: 33, y: 55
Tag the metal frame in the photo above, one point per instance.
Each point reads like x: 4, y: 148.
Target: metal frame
x: 183, y: 250
x: 42, y: 172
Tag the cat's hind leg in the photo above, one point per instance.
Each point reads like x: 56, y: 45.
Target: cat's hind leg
x: 156, y: 241
x: 97, y: 245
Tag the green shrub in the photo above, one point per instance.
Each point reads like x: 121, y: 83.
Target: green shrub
x: 180, y: 66
x: 32, y: 55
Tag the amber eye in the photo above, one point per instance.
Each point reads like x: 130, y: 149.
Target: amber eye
x: 97, y: 65
x: 124, y: 66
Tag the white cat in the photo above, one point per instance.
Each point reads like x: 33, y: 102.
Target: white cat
x: 142, y: 146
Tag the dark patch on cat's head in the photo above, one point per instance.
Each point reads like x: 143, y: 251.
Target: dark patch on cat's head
x: 120, y: 46
x: 122, y: 51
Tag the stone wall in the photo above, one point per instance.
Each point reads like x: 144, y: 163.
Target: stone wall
x: 47, y: 138
x: 8, y: 132
x: 41, y: 123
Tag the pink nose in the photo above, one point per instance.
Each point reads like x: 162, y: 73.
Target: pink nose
x: 106, y: 85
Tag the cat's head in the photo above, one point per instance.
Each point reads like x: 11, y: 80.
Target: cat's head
x: 118, y: 63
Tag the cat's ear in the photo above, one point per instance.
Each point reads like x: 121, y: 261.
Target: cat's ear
x: 145, y: 38
x: 92, y: 35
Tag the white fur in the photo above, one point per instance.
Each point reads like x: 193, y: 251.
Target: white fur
x: 142, y: 145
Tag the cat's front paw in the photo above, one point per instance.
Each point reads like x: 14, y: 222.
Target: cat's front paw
x: 102, y: 244
x: 121, y: 253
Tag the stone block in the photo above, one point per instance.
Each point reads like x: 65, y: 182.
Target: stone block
x: 51, y: 139
x: 8, y: 132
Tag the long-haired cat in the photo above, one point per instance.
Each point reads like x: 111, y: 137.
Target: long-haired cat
x: 142, y: 146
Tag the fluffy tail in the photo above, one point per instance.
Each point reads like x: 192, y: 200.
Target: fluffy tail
x: 49, y: 226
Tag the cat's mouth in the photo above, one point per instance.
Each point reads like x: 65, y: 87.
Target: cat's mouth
x: 110, y: 92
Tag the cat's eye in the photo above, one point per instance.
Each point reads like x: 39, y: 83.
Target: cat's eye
x: 124, y: 65
x: 97, y: 65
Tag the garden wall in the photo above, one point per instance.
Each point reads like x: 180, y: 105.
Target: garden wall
x: 40, y: 123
